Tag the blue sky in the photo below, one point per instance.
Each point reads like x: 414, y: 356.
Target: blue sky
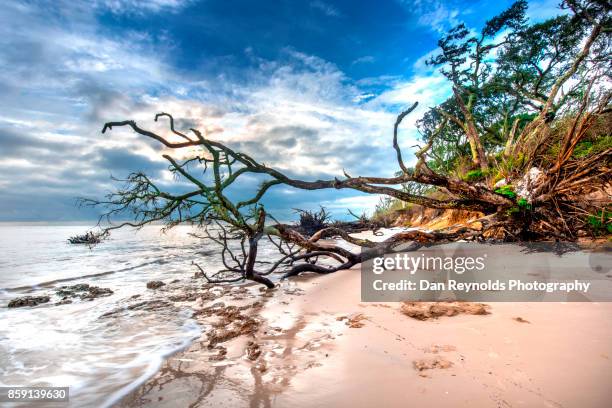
x: 291, y: 82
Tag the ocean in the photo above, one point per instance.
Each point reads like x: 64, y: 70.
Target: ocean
x: 101, y: 358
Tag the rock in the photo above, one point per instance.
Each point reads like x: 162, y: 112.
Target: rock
x: 146, y: 306
x: 530, y: 181
x: 500, y: 183
x: 221, y: 353
x: 150, y: 305
x: 70, y: 290
x: 63, y: 302
x: 155, y: 284
x: 232, y: 323
x: 96, y: 292
x: 184, y: 297
x: 83, y: 291
x: 28, y: 301
x: 253, y: 351
x: 221, y: 335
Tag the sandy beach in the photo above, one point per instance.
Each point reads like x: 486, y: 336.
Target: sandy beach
x: 312, y: 343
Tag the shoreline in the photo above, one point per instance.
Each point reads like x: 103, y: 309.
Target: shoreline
x: 312, y: 342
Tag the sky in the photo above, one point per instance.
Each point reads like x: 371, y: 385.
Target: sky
x: 309, y: 87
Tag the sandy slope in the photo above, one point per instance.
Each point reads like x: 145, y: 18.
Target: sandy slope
x: 309, y: 356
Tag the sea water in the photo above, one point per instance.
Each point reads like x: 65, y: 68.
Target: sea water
x: 100, y: 358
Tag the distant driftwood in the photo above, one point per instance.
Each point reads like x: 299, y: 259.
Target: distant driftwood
x: 88, y: 238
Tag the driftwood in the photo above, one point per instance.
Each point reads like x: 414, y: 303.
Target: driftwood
x: 89, y: 238
x: 553, y: 200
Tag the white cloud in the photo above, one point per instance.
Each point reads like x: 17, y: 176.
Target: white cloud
x: 427, y: 89
x: 325, y: 8
x: 420, y: 65
x: 140, y: 6
x: 358, y: 204
x: 440, y: 18
x: 366, y: 59
x: 300, y: 113
x: 544, y: 9
x: 437, y: 15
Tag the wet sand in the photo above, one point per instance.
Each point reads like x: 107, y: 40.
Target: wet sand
x: 312, y: 343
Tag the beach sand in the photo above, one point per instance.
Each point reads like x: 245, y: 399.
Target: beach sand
x: 312, y: 343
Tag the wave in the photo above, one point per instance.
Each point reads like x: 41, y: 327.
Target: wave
x: 74, y: 278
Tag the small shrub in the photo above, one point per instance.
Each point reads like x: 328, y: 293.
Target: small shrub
x: 508, y: 167
x: 385, y: 212
x: 497, y: 175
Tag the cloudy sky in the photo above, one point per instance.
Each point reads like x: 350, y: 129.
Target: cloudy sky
x: 311, y: 87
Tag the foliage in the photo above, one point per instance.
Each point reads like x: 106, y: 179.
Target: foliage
x: 385, y: 212
x: 475, y: 175
x: 506, y: 191
x: 521, y: 208
x: 524, y: 204
x: 508, y: 167
x: 600, y: 222
x: 501, y: 79
x: 588, y: 147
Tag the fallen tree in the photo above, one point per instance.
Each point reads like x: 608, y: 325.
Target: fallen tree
x: 504, y: 144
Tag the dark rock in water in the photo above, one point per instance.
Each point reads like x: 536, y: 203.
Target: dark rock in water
x: 96, y: 292
x: 28, y: 301
x: 150, y: 305
x: 184, y: 297
x: 146, y: 306
x: 70, y: 290
x: 155, y: 284
x: 84, y: 291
